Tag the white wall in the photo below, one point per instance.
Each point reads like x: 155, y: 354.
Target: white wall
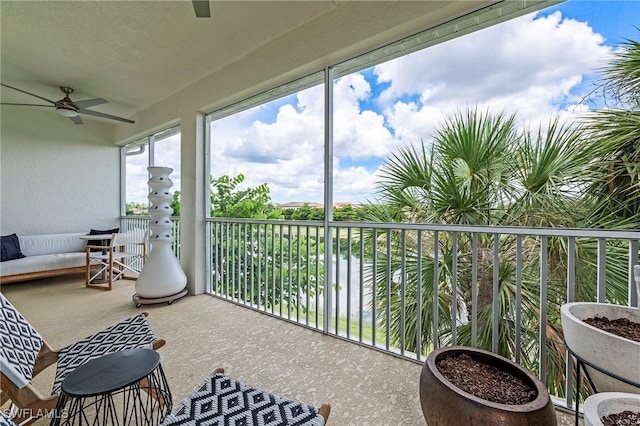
x: 56, y: 176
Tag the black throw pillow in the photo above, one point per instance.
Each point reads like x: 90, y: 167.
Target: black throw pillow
x: 10, y: 248
x: 101, y: 232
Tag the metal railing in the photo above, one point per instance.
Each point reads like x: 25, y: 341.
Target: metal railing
x: 141, y: 223
x: 406, y: 289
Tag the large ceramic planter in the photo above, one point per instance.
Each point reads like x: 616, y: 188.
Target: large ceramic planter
x: 608, y: 351
x: 606, y: 403
x: 445, y: 404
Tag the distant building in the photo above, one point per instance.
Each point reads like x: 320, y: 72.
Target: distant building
x: 139, y: 211
x: 300, y: 204
x: 340, y: 204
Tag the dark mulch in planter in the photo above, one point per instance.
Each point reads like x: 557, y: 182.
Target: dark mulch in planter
x: 628, y: 329
x: 626, y: 418
x: 485, y: 381
x: 622, y: 327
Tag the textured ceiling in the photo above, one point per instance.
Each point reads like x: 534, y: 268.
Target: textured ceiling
x: 136, y: 54
x: 132, y: 53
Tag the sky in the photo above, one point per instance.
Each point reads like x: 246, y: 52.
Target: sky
x: 539, y: 66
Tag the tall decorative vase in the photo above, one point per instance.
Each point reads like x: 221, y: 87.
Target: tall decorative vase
x: 162, y: 278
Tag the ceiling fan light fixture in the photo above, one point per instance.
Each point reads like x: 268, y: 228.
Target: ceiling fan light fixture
x: 67, y: 112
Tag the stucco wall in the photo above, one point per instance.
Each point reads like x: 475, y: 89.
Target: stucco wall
x: 55, y: 176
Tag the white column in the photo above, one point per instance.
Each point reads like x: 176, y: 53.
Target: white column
x: 193, y: 203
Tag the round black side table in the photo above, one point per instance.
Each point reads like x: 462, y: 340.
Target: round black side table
x: 122, y: 388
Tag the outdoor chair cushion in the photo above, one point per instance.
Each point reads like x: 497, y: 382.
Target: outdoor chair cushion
x: 5, y: 420
x: 20, y: 346
x: 134, y: 332
x: 222, y: 400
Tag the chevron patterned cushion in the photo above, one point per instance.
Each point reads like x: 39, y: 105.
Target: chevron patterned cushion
x: 220, y: 400
x: 134, y: 332
x: 5, y: 420
x: 21, y: 344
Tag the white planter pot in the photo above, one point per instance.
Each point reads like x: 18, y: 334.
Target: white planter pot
x: 608, y: 351
x: 604, y: 404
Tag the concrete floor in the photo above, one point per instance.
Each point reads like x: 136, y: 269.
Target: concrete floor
x: 363, y: 386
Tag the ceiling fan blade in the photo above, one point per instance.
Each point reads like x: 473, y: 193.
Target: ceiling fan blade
x: 202, y: 9
x: 38, y: 105
x: 30, y: 94
x: 103, y: 115
x: 89, y: 103
x: 76, y: 119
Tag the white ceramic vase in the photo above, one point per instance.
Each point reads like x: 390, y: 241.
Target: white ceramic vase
x: 604, y: 404
x: 162, y: 274
x: 608, y: 351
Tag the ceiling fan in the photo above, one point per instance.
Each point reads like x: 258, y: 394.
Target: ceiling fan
x: 69, y: 108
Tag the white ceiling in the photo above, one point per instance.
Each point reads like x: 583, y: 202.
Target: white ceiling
x: 136, y: 54
x: 132, y: 53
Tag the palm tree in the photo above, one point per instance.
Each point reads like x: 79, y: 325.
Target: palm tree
x: 617, y: 132
x: 482, y: 170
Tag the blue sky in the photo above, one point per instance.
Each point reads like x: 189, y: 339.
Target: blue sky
x: 539, y: 66
x: 616, y: 20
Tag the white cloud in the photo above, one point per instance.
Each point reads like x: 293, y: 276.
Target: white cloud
x: 357, y: 134
x: 413, y: 124
x: 353, y: 184
x: 286, y: 150
x: 528, y: 64
x: 538, y: 67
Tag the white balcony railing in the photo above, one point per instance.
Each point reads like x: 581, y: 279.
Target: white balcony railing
x: 136, y: 223
x: 407, y: 288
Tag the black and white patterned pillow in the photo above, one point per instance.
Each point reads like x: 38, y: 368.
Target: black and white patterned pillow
x: 221, y: 400
x: 21, y: 344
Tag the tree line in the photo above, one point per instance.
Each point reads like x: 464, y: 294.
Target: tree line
x: 230, y: 201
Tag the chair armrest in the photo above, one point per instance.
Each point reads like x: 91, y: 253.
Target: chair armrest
x: 28, y: 399
x: 46, y: 357
x: 158, y: 344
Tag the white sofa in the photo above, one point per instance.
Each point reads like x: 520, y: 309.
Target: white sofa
x: 46, y: 256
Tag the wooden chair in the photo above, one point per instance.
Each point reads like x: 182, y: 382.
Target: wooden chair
x: 220, y: 397
x: 125, y: 252
x: 24, y: 354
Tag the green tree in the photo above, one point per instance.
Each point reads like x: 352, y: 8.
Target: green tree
x: 228, y: 200
x: 347, y: 213
x: 307, y: 212
x: 617, y: 132
x: 483, y: 170
x: 175, y: 204
x: 263, y: 264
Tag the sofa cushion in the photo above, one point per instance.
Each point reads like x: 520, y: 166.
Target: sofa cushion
x: 43, y: 262
x: 35, y: 245
x: 10, y: 248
